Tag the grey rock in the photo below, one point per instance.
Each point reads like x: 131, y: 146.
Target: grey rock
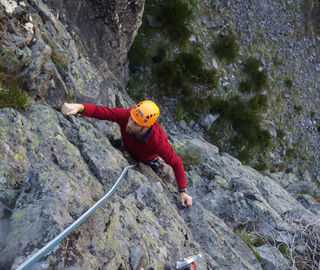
x: 214, y: 63
x: 53, y: 168
x: 192, y: 38
x: 152, y: 21
x: 302, y: 187
x: 273, y: 132
x: 183, y: 124
x: 307, y: 176
x: 284, y: 179
x: 309, y: 203
x: 225, y: 84
x: 273, y: 259
x: 207, y: 121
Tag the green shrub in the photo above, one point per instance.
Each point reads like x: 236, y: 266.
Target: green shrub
x: 280, y: 133
x: 226, y: 47
x: 138, y: 52
x: 258, y: 102
x: 288, y: 83
x: 175, y: 16
x: 196, y: 106
x: 284, y: 250
x: 175, y: 76
x: 252, y: 240
x: 178, y: 112
x: 193, y: 2
x: 247, y: 86
x: 178, y: 78
x: 298, y: 108
x: 245, y: 121
x: 169, y: 78
x: 11, y: 94
x: 192, y: 69
x: 257, y: 79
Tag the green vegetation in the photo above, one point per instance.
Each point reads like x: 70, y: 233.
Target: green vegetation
x: 175, y: 76
x: 284, y: 250
x: 258, y: 103
x: 178, y: 70
x: 226, y: 47
x: 179, y: 76
x: 297, y: 108
x: 277, y: 61
x: 18, y: 215
x: 288, y: 83
x: 57, y: 57
x: 136, y: 90
x: 256, y: 76
x: 244, y: 120
x: 175, y: 17
x: 252, y: 240
x: 193, y: 2
x: 280, y: 133
x: 137, y: 53
x: 11, y: 95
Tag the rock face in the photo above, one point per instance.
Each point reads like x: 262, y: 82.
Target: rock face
x: 52, y: 168
x: 41, y: 52
x: 104, y: 28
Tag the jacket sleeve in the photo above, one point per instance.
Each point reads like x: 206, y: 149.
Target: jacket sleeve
x: 170, y: 157
x: 105, y: 113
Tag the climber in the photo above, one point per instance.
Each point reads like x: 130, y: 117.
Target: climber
x: 142, y: 136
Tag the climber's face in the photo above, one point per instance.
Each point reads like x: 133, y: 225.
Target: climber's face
x: 134, y: 128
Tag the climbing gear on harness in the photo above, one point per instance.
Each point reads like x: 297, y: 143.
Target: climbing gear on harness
x: 145, y: 113
x: 158, y: 165
x: 48, y: 247
x: 188, y: 263
x: 162, y: 169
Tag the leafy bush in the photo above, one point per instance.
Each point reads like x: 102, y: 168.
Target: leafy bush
x: 226, y: 47
x: 175, y: 76
x: 11, y: 94
x: 245, y: 121
x: 257, y: 78
x: 175, y: 16
x: 297, y: 108
x: 247, y: 86
x: 258, y: 102
x: 178, y: 77
x: 288, y: 83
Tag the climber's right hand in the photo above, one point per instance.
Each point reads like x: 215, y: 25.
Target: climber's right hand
x: 71, y: 108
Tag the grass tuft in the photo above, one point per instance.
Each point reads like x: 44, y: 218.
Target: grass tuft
x: 175, y: 16
x: 256, y: 76
x: 226, y: 47
x: 11, y: 95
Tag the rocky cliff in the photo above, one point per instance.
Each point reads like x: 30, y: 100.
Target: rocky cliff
x: 52, y: 168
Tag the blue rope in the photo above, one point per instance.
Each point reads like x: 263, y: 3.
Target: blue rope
x: 49, y: 246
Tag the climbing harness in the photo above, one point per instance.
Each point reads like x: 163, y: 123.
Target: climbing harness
x: 188, y: 263
x: 48, y: 247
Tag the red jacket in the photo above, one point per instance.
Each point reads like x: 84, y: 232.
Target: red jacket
x: 155, y: 145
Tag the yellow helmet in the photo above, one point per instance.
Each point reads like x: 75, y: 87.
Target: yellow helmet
x: 145, y: 113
